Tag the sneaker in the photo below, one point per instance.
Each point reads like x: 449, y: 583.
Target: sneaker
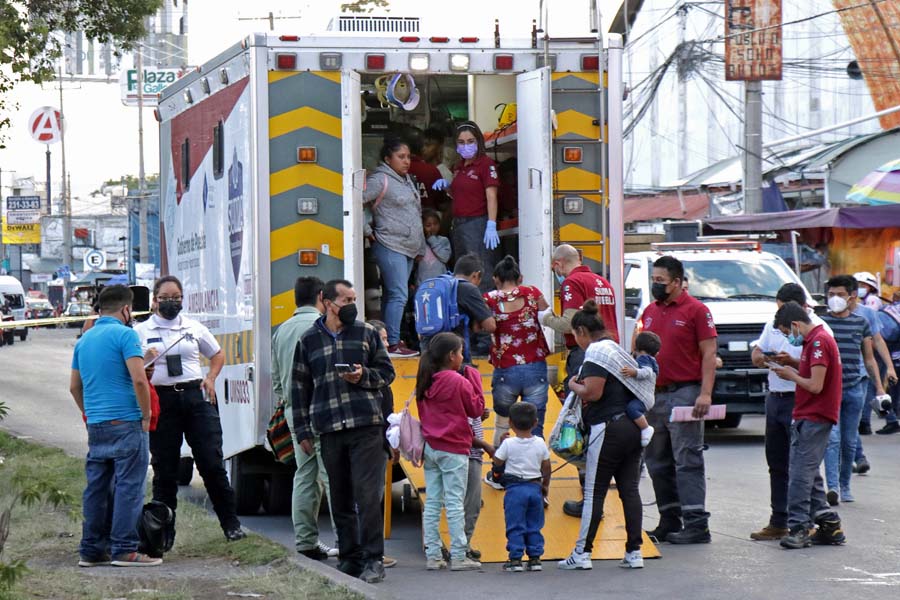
x: 93, y: 562
x: 135, y: 559
x: 665, y: 528
x: 389, y: 562
x: 889, y: 428
x: 534, y: 564
x: 233, y: 535
x: 862, y: 466
x: 466, y: 564
x: 546, y: 502
x: 646, y: 435
x: 374, y: 572
x: 473, y: 554
x: 796, y: 539
x: 769, y: 534
x: 331, y: 552
x: 573, y: 508
x: 401, y: 351
x: 435, y: 564
x: 489, y: 479
x: 690, y: 535
x: 314, y: 553
x: 577, y: 561
x: 865, y: 429
x: 846, y: 495
x: 632, y: 560
x: 513, y: 565
x: 832, y: 497
x: 829, y: 533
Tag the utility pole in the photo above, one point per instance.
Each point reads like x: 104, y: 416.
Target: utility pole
x: 753, y: 147
x: 142, y: 201
x: 64, y: 189
x: 683, y: 57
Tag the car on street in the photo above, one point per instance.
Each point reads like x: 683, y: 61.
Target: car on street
x: 38, y: 308
x: 77, y: 309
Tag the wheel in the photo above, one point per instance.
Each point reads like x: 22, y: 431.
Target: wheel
x: 23, y: 335
x: 185, y: 470
x: 10, y: 338
x: 277, y: 497
x: 248, y: 487
x: 729, y: 422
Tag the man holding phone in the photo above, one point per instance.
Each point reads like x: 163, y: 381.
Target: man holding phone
x: 773, y: 348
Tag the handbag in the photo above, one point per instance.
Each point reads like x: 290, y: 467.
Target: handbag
x: 412, y: 443
x: 566, y: 439
x: 279, y: 436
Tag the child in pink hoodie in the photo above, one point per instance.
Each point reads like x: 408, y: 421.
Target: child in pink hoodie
x: 446, y: 400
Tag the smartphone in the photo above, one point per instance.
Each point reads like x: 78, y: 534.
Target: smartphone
x: 770, y: 353
x: 343, y: 368
x: 773, y: 365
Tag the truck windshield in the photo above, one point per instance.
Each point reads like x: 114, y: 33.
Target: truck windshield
x: 736, y: 280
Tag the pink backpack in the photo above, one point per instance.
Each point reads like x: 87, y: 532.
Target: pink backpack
x: 412, y: 443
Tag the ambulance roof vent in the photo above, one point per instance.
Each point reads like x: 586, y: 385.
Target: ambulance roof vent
x: 377, y: 25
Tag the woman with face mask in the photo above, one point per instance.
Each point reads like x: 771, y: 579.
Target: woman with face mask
x: 187, y: 399
x: 474, y: 192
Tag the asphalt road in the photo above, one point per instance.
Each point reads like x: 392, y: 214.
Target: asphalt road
x: 34, y: 385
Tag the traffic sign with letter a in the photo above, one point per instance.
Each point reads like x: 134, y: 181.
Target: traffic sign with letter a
x: 46, y: 125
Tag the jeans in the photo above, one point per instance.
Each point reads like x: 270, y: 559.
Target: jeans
x: 187, y: 416
x: 614, y: 451
x: 472, y: 502
x: 635, y: 409
x: 528, y: 381
x: 779, y: 406
x: 675, y: 460
x: 355, y: 461
x: 806, y: 492
x: 445, y: 486
x: 117, y: 459
x: 395, y: 271
x: 523, y: 510
x: 844, y: 438
x: 310, y: 483
x: 468, y: 237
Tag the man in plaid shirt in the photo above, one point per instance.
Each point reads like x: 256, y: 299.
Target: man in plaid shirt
x: 344, y: 409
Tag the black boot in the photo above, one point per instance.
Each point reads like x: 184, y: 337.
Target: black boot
x: 573, y: 508
x: 690, y: 535
x: 667, y: 526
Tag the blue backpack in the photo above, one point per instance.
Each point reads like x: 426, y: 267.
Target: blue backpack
x: 436, y: 307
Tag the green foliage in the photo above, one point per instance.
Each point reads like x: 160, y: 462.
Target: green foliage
x: 131, y: 181
x: 364, y: 6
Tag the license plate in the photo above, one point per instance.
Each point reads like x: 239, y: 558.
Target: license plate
x: 738, y: 346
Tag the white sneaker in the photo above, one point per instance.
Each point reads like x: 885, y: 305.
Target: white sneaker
x: 466, y: 564
x: 577, y: 561
x: 435, y: 564
x: 632, y: 560
x: 646, y: 435
x: 331, y: 552
x: 489, y: 479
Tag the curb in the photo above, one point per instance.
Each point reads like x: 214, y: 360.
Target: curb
x: 366, y: 590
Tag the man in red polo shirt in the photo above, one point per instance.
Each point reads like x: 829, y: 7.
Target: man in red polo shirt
x: 687, y: 372
x: 816, y: 410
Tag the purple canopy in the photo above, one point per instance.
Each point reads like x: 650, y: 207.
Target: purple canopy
x: 856, y: 217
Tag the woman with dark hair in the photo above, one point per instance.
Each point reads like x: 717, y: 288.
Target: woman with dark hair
x: 614, y: 442
x: 396, y: 234
x: 187, y: 400
x: 474, y: 192
x: 518, y: 350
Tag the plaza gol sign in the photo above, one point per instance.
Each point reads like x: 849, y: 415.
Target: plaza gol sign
x: 46, y: 125
x: 154, y: 81
x: 752, y: 40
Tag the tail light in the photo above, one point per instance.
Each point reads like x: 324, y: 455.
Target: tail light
x: 590, y: 62
x: 503, y: 62
x: 286, y: 61
x: 375, y: 62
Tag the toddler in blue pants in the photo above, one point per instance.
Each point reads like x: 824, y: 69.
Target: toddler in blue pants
x: 646, y: 347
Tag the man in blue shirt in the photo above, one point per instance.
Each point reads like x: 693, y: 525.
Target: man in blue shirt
x: 110, y: 387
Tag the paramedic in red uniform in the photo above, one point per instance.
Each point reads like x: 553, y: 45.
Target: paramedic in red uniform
x: 687, y: 371
x: 474, y: 192
x: 424, y: 173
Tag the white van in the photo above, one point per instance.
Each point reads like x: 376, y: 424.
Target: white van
x: 14, y: 293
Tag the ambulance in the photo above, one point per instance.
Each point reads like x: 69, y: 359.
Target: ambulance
x: 264, y: 153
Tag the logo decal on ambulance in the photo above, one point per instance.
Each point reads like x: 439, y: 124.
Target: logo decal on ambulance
x: 236, y: 213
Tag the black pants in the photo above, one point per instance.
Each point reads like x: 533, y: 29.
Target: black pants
x: 779, y: 406
x: 186, y: 415
x: 355, y: 462
x: 619, y: 457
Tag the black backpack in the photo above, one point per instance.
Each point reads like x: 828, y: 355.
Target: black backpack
x: 156, y: 529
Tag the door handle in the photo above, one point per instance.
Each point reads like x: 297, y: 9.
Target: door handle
x: 358, y: 180
x: 532, y: 175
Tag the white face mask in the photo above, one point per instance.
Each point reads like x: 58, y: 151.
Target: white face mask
x: 863, y: 292
x: 836, y: 304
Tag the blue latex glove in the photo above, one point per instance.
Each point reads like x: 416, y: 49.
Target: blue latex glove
x: 440, y: 185
x: 491, y: 239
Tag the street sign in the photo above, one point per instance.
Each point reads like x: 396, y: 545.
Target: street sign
x: 46, y: 125
x: 95, y: 260
x: 23, y: 217
x: 155, y: 80
x: 29, y: 233
x: 23, y: 203
x: 752, y: 40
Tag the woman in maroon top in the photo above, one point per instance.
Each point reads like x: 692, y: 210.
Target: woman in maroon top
x: 519, y: 351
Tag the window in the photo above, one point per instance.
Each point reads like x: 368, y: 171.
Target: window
x: 633, y: 289
x: 219, y: 150
x: 186, y: 164
x: 735, y: 279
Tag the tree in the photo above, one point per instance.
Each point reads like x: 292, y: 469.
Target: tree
x: 30, y: 42
x: 364, y: 6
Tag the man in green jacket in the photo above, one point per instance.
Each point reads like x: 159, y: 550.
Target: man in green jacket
x: 310, y: 479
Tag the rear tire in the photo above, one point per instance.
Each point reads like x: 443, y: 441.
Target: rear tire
x: 277, y: 497
x: 23, y: 335
x: 248, y: 487
x: 10, y: 338
x: 729, y: 422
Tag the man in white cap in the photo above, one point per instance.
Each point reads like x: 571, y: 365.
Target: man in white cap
x: 869, y: 290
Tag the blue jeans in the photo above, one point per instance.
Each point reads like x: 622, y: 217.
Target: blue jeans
x: 117, y: 459
x: 845, y: 438
x: 446, y: 475
x: 523, y: 508
x: 528, y: 381
x: 635, y: 409
x: 395, y: 271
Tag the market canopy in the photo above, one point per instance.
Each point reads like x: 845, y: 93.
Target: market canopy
x: 855, y: 217
x: 881, y: 186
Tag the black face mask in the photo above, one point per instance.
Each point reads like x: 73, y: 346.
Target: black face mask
x: 169, y: 309
x: 347, y: 314
x: 658, y: 291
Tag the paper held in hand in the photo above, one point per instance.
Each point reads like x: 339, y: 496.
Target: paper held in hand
x: 681, y: 414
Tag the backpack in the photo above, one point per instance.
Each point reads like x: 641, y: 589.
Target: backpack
x: 436, y: 306
x: 156, y: 529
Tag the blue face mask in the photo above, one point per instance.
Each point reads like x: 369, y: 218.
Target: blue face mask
x: 795, y: 340
x: 559, y: 278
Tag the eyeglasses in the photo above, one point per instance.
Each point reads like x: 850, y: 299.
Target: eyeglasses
x: 172, y: 298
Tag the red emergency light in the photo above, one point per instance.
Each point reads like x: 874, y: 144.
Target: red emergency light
x: 590, y: 62
x: 409, y: 39
x: 468, y: 40
x: 286, y: 61
x: 289, y: 38
x: 376, y: 62
x: 439, y: 40
x: 503, y: 62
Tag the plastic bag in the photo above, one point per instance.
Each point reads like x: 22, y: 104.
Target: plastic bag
x: 412, y: 443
